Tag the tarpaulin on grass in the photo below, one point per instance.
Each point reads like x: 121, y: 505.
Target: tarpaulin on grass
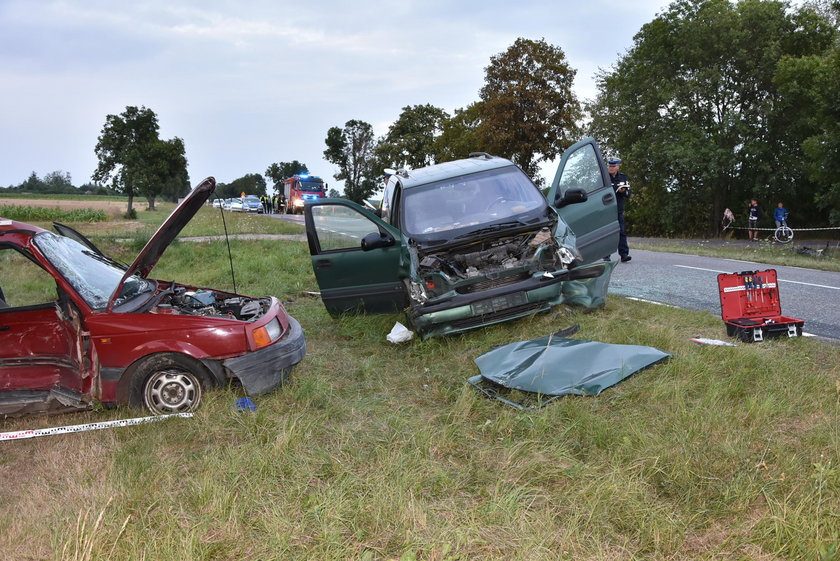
x: 554, y: 366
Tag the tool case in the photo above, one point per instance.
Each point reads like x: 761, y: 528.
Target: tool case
x: 751, y: 308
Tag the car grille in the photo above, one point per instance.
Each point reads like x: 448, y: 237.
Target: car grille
x: 497, y: 316
x: 487, y: 284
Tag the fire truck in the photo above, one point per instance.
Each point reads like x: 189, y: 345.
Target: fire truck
x: 300, y: 188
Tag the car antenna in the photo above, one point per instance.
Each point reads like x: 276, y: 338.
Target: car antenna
x: 230, y: 255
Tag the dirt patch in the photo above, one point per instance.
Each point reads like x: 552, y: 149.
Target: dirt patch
x: 111, y: 208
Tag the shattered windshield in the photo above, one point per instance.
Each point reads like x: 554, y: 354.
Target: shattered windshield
x: 466, y: 201
x: 94, y: 277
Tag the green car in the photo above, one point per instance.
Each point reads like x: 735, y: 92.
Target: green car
x: 469, y: 243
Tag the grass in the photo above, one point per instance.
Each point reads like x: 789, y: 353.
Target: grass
x: 764, y: 251
x: 377, y: 451
x: 39, y: 214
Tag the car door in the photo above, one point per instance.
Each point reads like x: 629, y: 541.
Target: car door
x: 353, y: 278
x: 594, y: 221
x: 40, y: 340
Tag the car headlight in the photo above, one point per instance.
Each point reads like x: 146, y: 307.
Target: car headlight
x: 298, y: 202
x: 268, y: 333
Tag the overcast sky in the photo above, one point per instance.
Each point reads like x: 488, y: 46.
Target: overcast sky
x: 249, y: 83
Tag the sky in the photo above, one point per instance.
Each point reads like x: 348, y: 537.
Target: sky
x: 249, y: 83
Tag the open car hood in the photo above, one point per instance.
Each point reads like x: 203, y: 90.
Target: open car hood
x: 167, y: 232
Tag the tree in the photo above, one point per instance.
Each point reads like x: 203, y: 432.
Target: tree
x: 694, y: 112
x: 528, y: 110
x: 279, y: 172
x: 250, y: 184
x: 351, y: 149
x: 135, y: 160
x: 333, y: 193
x: 460, y: 134
x: 410, y: 140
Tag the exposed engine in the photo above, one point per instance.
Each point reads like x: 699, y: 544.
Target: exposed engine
x: 489, y: 263
x: 179, y: 300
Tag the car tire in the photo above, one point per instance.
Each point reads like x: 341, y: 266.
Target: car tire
x: 169, y: 383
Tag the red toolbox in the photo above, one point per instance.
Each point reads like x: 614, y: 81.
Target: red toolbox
x: 751, y: 308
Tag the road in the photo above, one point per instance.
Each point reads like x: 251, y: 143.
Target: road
x: 690, y: 281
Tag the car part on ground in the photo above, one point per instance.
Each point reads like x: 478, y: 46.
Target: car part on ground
x: 549, y: 367
x: 113, y: 335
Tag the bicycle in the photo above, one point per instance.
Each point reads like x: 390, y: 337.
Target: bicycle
x: 783, y: 233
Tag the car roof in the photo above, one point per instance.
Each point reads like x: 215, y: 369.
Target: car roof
x: 437, y: 172
x: 13, y: 226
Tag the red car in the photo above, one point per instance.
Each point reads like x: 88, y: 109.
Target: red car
x: 78, y: 328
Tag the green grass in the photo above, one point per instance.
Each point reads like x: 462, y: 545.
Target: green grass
x: 763, y: 251
x: 377, y: 451
x: 40, y: 214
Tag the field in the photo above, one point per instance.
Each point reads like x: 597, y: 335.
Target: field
x: 113, y: 207
x: 381, y: 451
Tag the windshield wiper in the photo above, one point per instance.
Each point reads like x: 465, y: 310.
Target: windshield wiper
x: 490, y: 229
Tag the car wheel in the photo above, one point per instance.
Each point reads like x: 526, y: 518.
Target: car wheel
x: 169, y: 384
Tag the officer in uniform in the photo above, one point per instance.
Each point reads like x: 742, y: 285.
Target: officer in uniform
x: 621, y: 186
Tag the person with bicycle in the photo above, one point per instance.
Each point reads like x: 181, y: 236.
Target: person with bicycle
x: 780, y: 214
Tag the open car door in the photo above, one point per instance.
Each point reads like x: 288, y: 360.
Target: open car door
x: 594, y: 221
x: 359, y: 260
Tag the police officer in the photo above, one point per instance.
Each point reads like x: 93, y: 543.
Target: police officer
x: 621, y: 186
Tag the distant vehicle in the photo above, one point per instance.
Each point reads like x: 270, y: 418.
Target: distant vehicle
x: 218, y: 203
x: 226, y: 204
x: 236, y: 205
x: 79, y: 329
x: 252, y: 203
x: 469, y: 243
x: 299, y: 189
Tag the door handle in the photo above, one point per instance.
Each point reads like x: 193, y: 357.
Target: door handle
x: 608, y: 198
x: 323, y: 264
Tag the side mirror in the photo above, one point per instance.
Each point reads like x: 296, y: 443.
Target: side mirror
x: 572, y: 196
x: 376, y: 240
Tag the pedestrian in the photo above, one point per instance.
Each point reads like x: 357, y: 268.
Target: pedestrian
x: 780, y: 214
x: 621, y: 186
x: 754, y: 214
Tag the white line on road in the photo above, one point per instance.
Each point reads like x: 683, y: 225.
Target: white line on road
x: 780, y: 280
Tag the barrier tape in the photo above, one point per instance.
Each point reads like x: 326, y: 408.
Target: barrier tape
x: 774, y: 229
x: 33, y: 433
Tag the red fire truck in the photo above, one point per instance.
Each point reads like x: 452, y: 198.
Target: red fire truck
x: 300, y: 188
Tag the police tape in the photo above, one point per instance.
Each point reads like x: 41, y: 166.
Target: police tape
x: 774, y: 229
x: 33, y: 433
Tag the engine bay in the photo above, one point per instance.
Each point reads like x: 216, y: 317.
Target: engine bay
x: 199, y: 302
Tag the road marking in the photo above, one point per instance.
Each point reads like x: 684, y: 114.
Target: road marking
x: 651, y: 302
x: 780, y: 280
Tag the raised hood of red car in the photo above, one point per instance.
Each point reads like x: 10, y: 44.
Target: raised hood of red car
x: 168, y: 231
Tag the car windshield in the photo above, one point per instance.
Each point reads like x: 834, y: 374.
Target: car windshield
x: 468, y: 201
x: 93, y: 276
x: 252, y: 199
x: 312, y: 186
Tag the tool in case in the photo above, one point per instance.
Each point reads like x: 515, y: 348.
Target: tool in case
x: 751, y: 308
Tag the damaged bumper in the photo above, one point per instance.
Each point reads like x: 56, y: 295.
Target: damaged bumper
x: 584, y: 286
x: 265, y: 370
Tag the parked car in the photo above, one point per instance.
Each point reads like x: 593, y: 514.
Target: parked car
x: 236, y: 205
x: 217, y: 203
x: 252, y: 203
x: 77, y: 328
x: 469, y: 243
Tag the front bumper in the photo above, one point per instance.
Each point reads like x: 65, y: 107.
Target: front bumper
x: 584, y: 286
x: 265, y: 370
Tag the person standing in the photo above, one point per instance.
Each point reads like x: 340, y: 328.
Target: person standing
x: 780, y: 214
x: 753, y: 214
x: 621, y: 186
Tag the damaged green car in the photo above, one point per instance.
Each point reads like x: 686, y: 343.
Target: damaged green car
x: 469, y: 243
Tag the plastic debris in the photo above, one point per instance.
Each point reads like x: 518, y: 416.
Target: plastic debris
x: 399, y: 334
x: 245, y: 404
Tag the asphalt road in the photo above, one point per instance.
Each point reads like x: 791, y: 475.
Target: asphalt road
x: 690, y: 281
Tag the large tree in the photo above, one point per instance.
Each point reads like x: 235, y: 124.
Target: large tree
x: 693, y: 110
x: 134, y: 159
x: 278, y: 172
x: 351, y: 149
x: 528, y: 110
x: 410, y: 140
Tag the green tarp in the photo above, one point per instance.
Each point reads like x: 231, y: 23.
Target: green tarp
x: 553, y: 366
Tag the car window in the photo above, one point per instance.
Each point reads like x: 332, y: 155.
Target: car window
x: 339, y: 227
x: 387, y: 199
x: 22, y: 282
x: 582, y: 170
x: 470, y: 200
